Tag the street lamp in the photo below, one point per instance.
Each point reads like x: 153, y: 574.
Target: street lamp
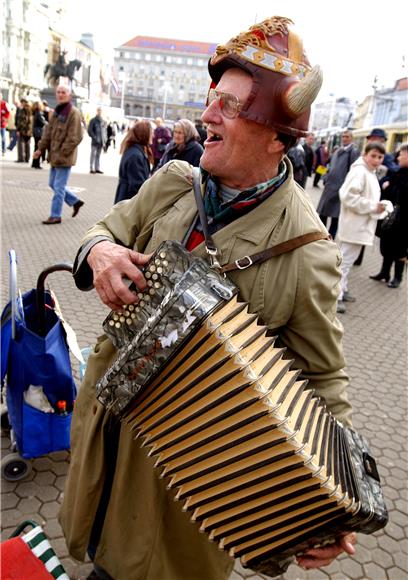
x: 166, y: 88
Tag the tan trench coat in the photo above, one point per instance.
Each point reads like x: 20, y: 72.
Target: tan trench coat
x: 146, y: 536
x: 61, y: 139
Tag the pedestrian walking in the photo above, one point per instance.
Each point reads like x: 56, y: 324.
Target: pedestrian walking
x: 5, y: 114
x: 321, y: 160
x: 394, y: 234
x: 115, y: 506
x: 24, y: 126
x: 11, y: 126
x: 61, y: 138
x: 136, y: 162
x: 97, y: 132
x: 161, y: 137
x: 39, y: 123
x: 184, y: 146
x: 360, y: 210
x: 309, y: 153
x: 340, y: 163
x: 111, y: 131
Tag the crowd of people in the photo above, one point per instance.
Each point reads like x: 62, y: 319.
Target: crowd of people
x: 359, y: 191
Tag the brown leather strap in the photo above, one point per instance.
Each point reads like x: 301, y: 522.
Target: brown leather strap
x: 283, y: 248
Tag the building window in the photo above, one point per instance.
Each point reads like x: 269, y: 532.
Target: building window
x: 148, y: 57
x: 137, y: 55
x: 168, y: 59
x: 121, y: 55
x: 189, y: 61
x: 159, y: 58
x: 150, y: 94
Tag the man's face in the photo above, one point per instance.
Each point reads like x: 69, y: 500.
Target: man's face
x: 403, y: 158
x: 310, y: 139
x: 233, y: 146
x: 346, y: 139
x: 373, y: 159
x: 63, y: 95
x: 99, y: 112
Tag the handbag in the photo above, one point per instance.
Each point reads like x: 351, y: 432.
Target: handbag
x: 391, y: 220
x: 321, y: 170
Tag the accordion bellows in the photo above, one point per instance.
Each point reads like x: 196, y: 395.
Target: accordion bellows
x: 261, y: 465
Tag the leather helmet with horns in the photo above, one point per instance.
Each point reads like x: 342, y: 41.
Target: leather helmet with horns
x: 283, y: 83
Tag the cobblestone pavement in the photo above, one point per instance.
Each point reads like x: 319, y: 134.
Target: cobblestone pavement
x: 375, y: 344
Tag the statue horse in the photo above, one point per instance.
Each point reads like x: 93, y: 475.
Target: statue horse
x: 61, y: 69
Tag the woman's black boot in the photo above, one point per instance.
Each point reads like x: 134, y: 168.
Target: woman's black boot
x: 381, y: 276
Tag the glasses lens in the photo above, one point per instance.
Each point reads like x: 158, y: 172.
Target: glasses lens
x: 229, y: 105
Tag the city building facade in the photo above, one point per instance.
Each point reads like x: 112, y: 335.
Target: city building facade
x: 160, y: 77
x: 33, y: 37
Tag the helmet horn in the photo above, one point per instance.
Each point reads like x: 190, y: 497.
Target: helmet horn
x: 301, y: 95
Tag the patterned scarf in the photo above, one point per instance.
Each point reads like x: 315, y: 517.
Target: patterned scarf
x: 225, y: 212
x: 221, y: 213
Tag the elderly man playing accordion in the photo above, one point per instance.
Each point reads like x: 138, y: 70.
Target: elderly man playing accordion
x: 115, y: 505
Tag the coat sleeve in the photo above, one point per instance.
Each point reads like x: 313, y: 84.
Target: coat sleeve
x: 351, y: 193
x: 313, y: 334
x: 74, y: 134
x: 130, y: 222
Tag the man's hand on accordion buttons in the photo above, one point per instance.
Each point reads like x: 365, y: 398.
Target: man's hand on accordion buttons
x: 319, y: 557
x: 112, y: 263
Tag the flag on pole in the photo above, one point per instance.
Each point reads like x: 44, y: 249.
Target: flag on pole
x: 115, y: 85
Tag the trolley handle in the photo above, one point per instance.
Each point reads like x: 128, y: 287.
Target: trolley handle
x: 40, y: 293
x: 14, y: 296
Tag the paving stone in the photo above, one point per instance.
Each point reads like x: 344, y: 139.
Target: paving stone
x: 43, y: 478
x: 60, y: 482
x: 53, y: 529
x: 382, y: 557
x: 9, y: 500
x: 29, y: 504
x: 29, y: 489
x: 60, y: 468
x: 374, y: 571
x: 351, y: 568
x: 59, y: 456
x: 401, y: 560
x: 47, y: 493
x: 396, y: 574
x: 50, y: 509
x: 43, y: 464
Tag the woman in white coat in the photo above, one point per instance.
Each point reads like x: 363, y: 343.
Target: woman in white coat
x: 360, y: 210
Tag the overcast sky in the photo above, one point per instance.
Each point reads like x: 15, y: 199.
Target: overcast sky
x: 352, y: 40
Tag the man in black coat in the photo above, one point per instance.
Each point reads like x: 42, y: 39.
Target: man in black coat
x: 98, y: 135
x: 309, y: 153
x: 329, y: 204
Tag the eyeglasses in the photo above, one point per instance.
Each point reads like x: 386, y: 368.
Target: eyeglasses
x: 228, y: 103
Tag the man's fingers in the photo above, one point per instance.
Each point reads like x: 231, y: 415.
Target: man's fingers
x: 347, y: 543
x: 309, y: 563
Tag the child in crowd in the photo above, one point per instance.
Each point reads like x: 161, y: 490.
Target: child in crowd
x: 360, y: 210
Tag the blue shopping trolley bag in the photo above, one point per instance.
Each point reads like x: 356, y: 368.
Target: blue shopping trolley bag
x: 35, y: 354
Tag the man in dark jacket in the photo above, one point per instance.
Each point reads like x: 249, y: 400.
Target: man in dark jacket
x: 98, y: 134
x: 329, y: 204
x: 309, y: 153
x: 61, y: 138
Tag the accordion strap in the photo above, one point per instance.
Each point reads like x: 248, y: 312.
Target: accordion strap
x: 246, y: 261
x: 283, y: 248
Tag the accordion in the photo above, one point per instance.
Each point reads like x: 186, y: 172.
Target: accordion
x: 258, y: 461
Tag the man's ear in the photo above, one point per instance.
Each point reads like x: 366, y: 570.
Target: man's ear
x: 276, y: 146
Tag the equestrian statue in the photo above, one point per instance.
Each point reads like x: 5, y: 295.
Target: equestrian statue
x: 61, y: 69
